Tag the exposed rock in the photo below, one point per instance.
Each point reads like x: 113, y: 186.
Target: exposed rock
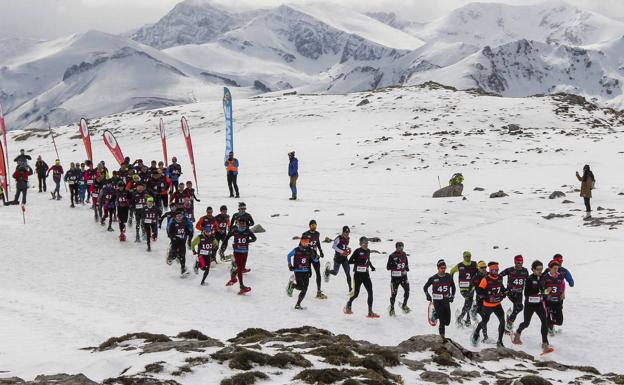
x: 374, y: 239
x: 137, y: 380
x: 413, y: 364
x: 183, y: 346
x: 556, y: 194
x: 64, y: 379
x: 363, y: 103
x: 496, y: 354
x: 258, y: 229
x: 193, y: 335
x: 566, y: 201
x: 533, y: 380
x: 247, y: 378
x: 113, y: 342
x: 11, y: 381
x: 478, y: 189
x: 465, y: 373
x: 498, y: 194
x: 449, y: 191
x: 552, y: 216
x: 435, y: 377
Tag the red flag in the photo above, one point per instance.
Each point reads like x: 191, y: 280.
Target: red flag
x: 3, y: 131
x: 189, y: 146
x: 113, y: 146
x: 163, y: 138
x: 86, y: 138
x: 3, y: 171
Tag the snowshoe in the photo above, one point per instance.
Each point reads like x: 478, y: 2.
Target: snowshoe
x: 102, y: 222
x: 290, y: 287
x: 149, y: 248
x: 467, y: 322
x: 406, y: 309
x: 326, y: 272
x: 110, y: 229
x: 53, y: 196
x: 72, y: 206
x: 185, y: 273
x: 320, y: 295
x: 347, y: 310
x: 244, y: 290
x: 546, y: 348
x: 391, y: 312
x: 170, y: 258
x: 499, y: 344
x: 203, y: 284
x: 231, y: 281
x: 122, y: 237
x: 373, y: 315
x: 299, y: 307
x: 432, y: 317
x: 58, y: 198
x: 474, y: 340
x: 515, y: 338
x: 245, y: 271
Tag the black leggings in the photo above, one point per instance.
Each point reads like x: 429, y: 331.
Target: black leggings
x: 122, y: 216
x: 207, y: 262
x: 468, y: 300
x: 538, y: 309
x: 74, y: 195
x: 516, y: 299
x: 443, y: 313
x: 151, y: 232
x: 177, y: 251
x: 362, y: 279
x: 232, y: 183
x: 555, y: 313
x: 486, y: 312
x: 317, y: 271
x: 587, y: 204
x: 395, y: 282
x: 42, y: 182
x: 303, y: 281
x: 138, y: 219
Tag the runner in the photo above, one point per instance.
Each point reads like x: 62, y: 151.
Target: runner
x: 315, y: 245
x: 442, y: 294
x: 466, y: 270
x: 398, y: 266
x: 341, y: 252
x: 360, y: 259
x: 491, y: 286
x: 302, y: 255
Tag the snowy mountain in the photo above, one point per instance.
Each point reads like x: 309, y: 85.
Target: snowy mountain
x: 191, y: 22
x: 95, y: 74
x: 483, y: 24
x: 504, y: 49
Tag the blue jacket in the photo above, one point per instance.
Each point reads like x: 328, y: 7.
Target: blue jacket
x: 290, y: 257
x: 225, y: 164
x: 293, y: 167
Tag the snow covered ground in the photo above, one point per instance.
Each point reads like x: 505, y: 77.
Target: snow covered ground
x: 66, y: 283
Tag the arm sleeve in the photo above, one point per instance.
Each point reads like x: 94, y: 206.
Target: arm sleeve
x: 568, y: 277
x: 227, y: 238
x: 252, y: 236
x: 290, y: 256
x: 483, y: 284
x: 335, y: 245
x: 426, y: 287
x: 453, y: 288
x: 251, y: 221
x: 504, y: 272
x: 200, y: 224
x: 388, y: 267
x: 194, y: 243
x: 454, y: 270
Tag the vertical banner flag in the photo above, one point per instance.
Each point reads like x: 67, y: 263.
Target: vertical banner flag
x: 86, y: 138
x: 189, y: 146
x: 113, y: 146
x: 3, y: 131
x: 3, y: 172
x: 163, y: 138
x: 229, y: 123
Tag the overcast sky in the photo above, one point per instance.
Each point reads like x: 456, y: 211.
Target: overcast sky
x: 45, y: 19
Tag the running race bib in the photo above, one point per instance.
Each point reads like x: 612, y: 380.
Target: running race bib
x: 361, y: 269
x: 148, y: 221
x: 139, y: 206
x: 95, y: 195
x: 89, y: 182
x: 204, y: 252
x: 397, y: 273
x: 437, y: 296
x: 535, y: 299
x: 464, y: 284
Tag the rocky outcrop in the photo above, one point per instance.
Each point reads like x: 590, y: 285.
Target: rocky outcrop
x: 316, y: 356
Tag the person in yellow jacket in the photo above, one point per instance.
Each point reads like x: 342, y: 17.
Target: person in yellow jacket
x: 231, y: 166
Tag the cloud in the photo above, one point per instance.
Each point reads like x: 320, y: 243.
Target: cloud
x: 46, y: 19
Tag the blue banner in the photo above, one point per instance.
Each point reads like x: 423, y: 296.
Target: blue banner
x: 229, y: 123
